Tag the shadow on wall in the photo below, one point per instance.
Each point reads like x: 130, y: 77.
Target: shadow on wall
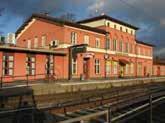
x: 18, y: 105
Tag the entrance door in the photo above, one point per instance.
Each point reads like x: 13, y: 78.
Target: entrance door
x: 158, y: 71
x: 86, y: 68
x: 145, y: 71
x: 121, y: 71
x: 49, y: 65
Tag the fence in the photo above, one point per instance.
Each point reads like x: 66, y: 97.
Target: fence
x: 25, y: 80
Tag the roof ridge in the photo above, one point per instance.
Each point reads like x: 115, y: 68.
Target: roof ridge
x: 109, y: 18
x: 57, y: 20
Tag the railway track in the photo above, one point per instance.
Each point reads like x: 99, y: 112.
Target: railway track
x: 117, y: 99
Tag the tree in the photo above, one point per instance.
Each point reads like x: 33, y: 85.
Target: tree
x: 68, y: 17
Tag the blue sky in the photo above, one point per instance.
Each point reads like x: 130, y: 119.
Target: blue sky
x: 147, y: 14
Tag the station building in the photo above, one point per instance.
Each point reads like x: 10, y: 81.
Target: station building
x: 111, y: 49
x: 158, y: 67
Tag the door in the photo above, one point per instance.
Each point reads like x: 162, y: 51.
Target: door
x: 158, y: 71
x: 121, y: 71
x: 49, y: 65
x: 145, y: 71
x: 86, y: 68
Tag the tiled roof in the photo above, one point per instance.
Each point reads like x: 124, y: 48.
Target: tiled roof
x: 141, y: 42
x: 108, y: 18
x: 27, y: 50
x: 60, y: 22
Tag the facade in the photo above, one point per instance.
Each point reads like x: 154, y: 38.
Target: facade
x: 17, y: 64
x: 111, y: 48
x: 159, y: 67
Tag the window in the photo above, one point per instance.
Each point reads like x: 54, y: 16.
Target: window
x: 108, y: 67
x: 121, y: 46
x: 126, y: 30
x: 139, y: 69
x: 114, y: 45
x: 138, y: 50
x: 30, y: 64
x: 126, y: 68
x: 115, y: 26
x: 28, y: 43
x: 97, y: 43
x: 121, y: 29
x: 131, y: 48
x: 115, y: 65
x: 127, y: 48
x: 108, y: 24
x: 8, y: 64
x: 35, y: 42
x: 73, y: 38
x: 86, y: 39
x: 43, y: 43
x: 97, y: 66
x: 107, y: 45
x: 74, y: 66
x: 131, y: 32
x: 49, y: 65
x: 132, y: 68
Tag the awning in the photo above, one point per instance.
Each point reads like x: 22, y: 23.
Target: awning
x: 123, y: 61
x: 115, y: 60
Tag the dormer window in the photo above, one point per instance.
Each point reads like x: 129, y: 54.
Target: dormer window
x: 115, y: 26
x: 108, y: 24
x: 121, y: 29
x: 126, y: 30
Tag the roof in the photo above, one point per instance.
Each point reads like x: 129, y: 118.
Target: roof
x: 159, y: 62
x: 144, y: 43
x: 59, y: 21
x: 20, y: 49
x: 108, y: 18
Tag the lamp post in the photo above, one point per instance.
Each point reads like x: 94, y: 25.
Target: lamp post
x: 106, y: 57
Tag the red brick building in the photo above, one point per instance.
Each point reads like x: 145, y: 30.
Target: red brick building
x: 112, y: 49
x: 159, y: 67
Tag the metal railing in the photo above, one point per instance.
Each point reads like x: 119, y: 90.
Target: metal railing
x: 26, y: 80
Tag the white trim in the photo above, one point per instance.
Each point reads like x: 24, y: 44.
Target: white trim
x: 84, y: 30
x: 91, y: 49
x: 26, y: 27
x: 100, y: 50
x: 115, y: 52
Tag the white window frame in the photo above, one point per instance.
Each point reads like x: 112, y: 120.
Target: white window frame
x: 121, y: 46
x: 132, y: 68
x: 114, y: 45
x: 73, y: 38
x: 29, y: 43
x: 35, y: 42
x: 86, y: 39
x: 127, y: 69
x: 97, y: 43
x: 97, y: 66
x: 115, y: 67
x: 108, y: 67
x: 43, y: 41
x: 74, y: 66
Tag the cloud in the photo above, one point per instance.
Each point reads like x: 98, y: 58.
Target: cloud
x: 97, y: 6
x: 149, y: 15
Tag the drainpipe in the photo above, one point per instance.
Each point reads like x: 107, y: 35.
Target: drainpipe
x: 136, y: 60
x: 70, y: 64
